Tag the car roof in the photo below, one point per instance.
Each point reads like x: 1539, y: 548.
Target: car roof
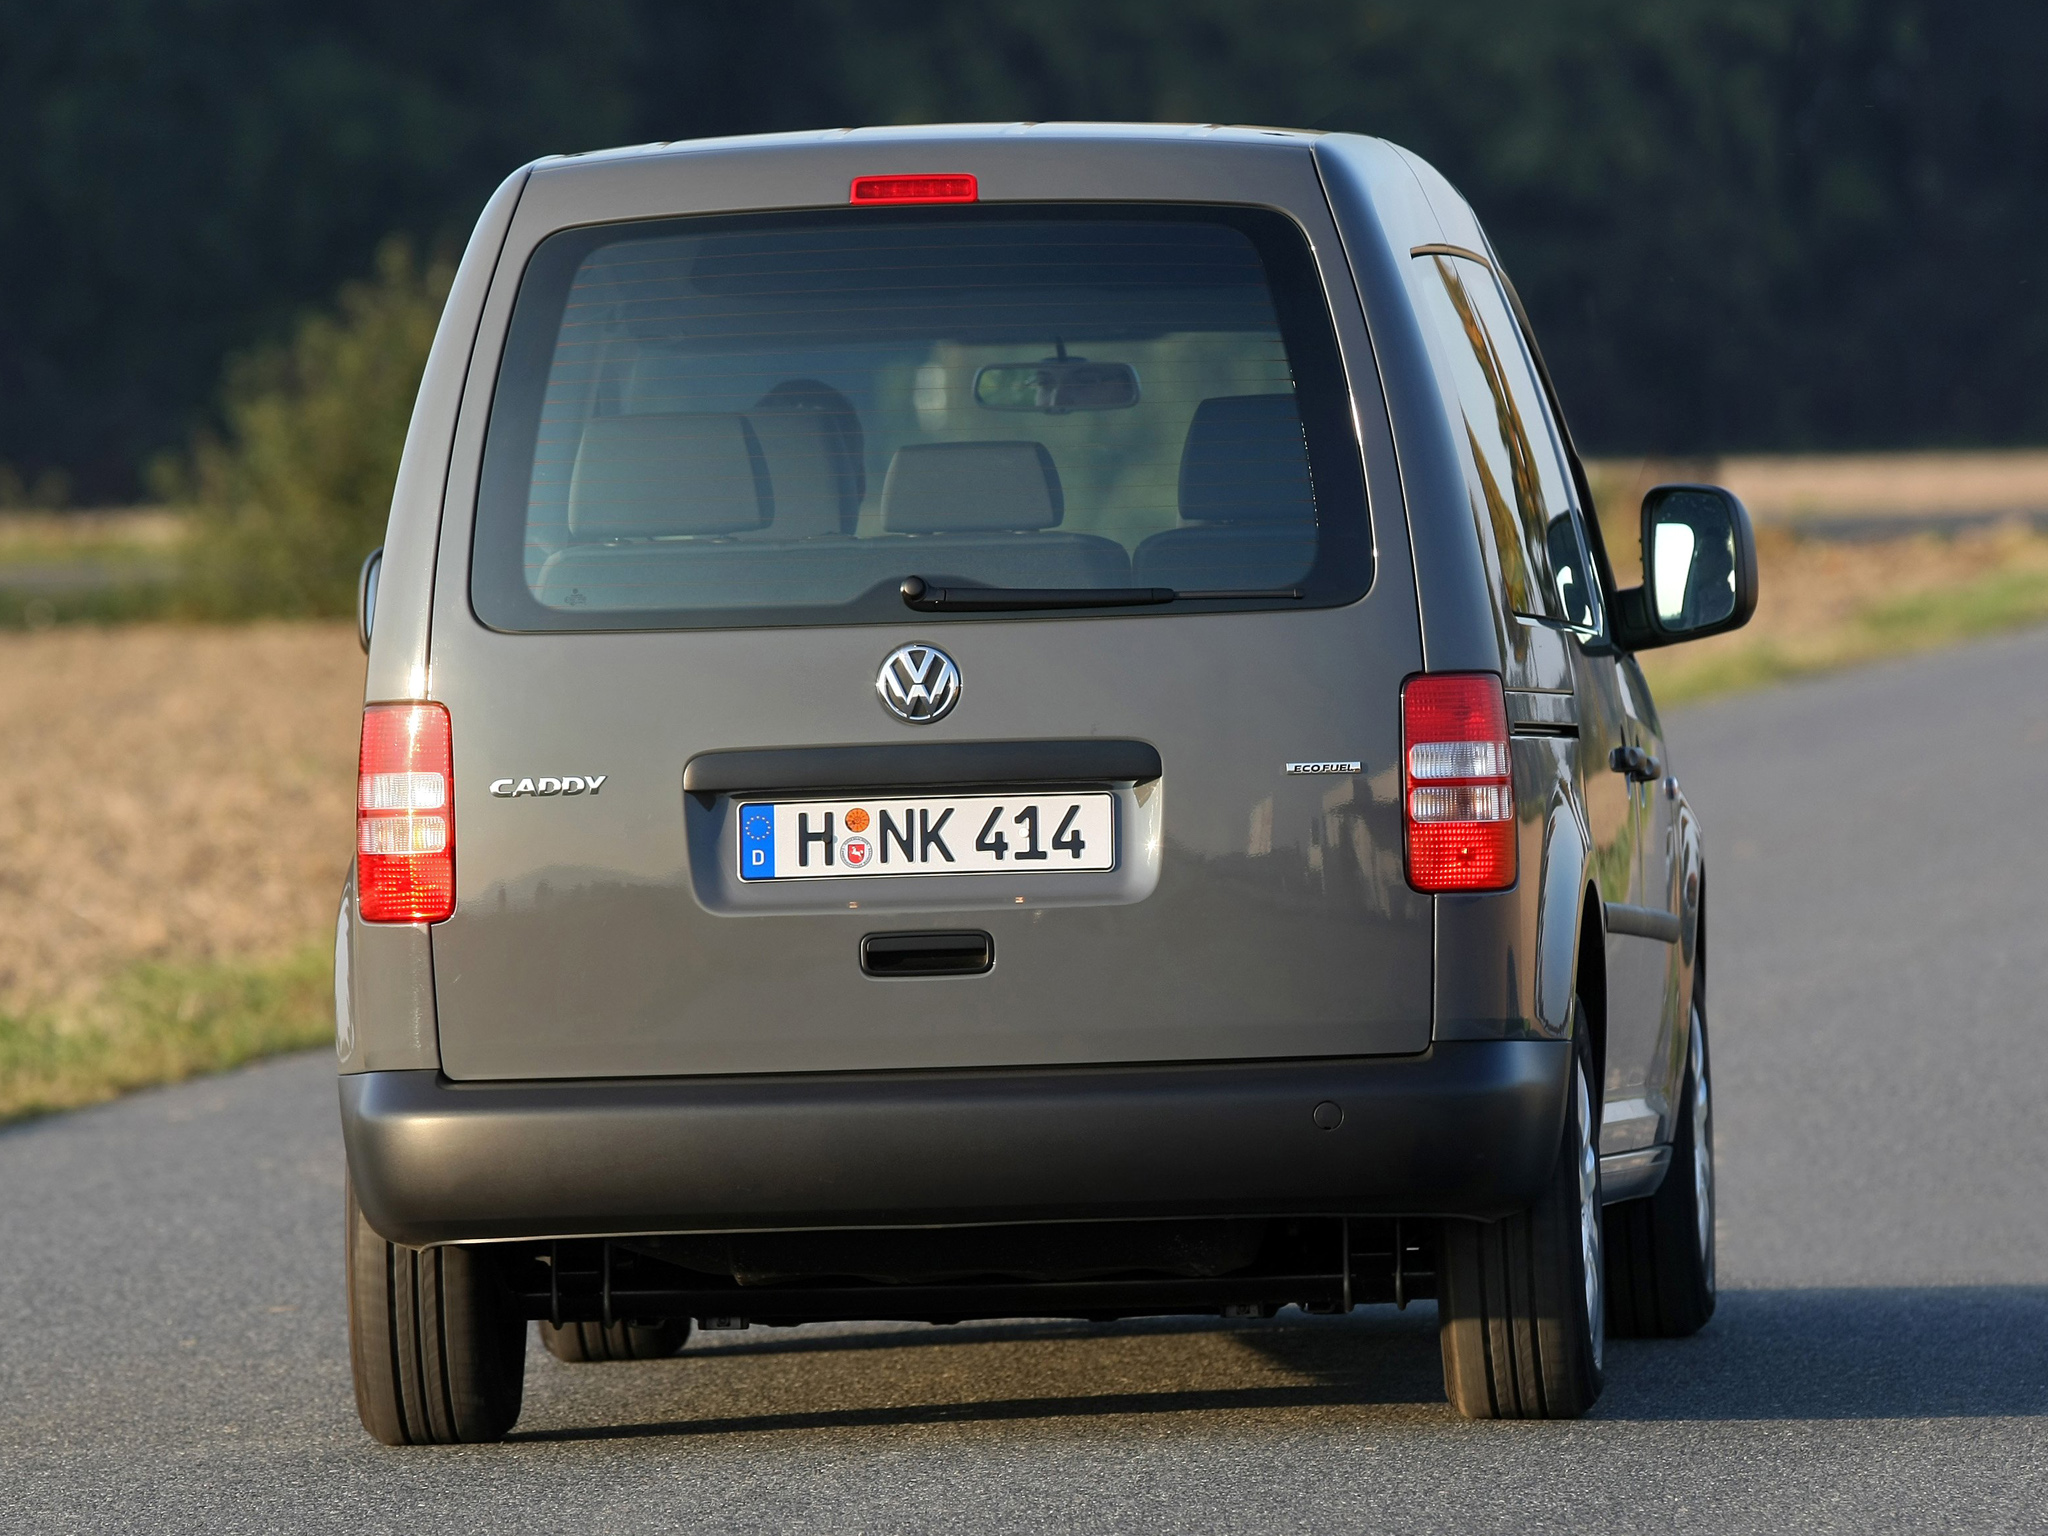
x: 941, y: 133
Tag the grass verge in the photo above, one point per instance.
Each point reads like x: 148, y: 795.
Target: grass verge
x: 162, y: 1023
x: 2003, y: 600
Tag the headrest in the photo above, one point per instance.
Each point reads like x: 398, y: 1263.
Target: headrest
x: 1246, y: 462
x: 807, y: 484
x: 816, y: 452
x: 971, y: 488
x: 644, y: 476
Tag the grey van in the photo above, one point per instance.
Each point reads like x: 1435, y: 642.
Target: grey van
x: 1013, y: 721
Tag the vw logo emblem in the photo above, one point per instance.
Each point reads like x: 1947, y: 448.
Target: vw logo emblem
x: 918, y: 683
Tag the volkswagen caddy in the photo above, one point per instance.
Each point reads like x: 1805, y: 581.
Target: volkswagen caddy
x: 1018, y: 721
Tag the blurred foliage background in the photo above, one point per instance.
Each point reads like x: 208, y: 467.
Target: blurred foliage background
x: 1739, y: 224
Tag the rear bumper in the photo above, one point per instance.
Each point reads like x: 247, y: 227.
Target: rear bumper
x: 1469, y: 1128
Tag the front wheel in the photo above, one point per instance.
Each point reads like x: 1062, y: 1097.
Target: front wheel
x: 1660, y: 1251
x: 1521, y: 1302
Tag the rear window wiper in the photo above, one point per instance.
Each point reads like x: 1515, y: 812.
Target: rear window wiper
x: 926, y: 598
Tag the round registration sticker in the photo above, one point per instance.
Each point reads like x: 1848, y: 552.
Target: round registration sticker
x: 856, y: 851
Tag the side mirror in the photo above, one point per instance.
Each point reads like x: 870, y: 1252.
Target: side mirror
x: 1699, y: 568
x: 366, y: 595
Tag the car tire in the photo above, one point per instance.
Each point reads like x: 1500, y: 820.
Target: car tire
x: 594, y: 1343
x: 438, y: 1352
x: 1521, y: 1302
x: 1660, y: 1250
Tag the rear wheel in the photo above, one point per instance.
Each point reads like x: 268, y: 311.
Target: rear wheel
x: 438, y: 1352
x: 1521, y: 1302
x: 592, y: 1343
x: 1660, y: 1251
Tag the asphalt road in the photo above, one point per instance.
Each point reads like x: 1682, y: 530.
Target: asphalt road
x: 174, y: 1354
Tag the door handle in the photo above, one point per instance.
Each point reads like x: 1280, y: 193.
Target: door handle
x: 1636, y: 763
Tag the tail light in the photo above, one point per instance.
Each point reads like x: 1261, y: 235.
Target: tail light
x: 405, y: 815
x: 913, y: 189
x: 1456, y: 783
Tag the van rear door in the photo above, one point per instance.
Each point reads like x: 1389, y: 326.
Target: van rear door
x: 926, y: 637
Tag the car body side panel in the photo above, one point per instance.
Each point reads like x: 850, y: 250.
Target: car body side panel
x: 398, y: 648
x: 1638, y: 966
x: 1557, y: 940
x: 391, y: 997
x: 1454, y: 216
x: 1487, y: 976
x: 1634, y: 844
x: 585, y: 943
x: 1667, y: 981
x: 391, y: 977
x: 1489, y: 983
x: 1367, y: 181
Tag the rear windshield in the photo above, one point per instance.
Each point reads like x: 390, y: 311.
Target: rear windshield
x: 780, y: 420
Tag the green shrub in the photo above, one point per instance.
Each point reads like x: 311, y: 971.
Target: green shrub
x: 289, y: 501
x: 48, y: 492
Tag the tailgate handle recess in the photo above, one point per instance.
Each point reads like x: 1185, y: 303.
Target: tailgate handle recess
x: 927, y: 954
x: 1093, y: 759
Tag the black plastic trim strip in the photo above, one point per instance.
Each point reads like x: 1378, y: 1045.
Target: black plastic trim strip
x: 969, y: 1299
x: 1541, y: 714
x: 1091, y: 760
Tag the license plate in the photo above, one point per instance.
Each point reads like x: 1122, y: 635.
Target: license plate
x: 922, y: 835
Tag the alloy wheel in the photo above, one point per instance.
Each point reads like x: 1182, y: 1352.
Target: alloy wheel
x: 1590, y: 1253
x: 1702, y: 1151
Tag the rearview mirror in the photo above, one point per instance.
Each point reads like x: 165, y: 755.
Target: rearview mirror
x: 366, y: 594
x: 1057, y: 386
x: 1699, y: 567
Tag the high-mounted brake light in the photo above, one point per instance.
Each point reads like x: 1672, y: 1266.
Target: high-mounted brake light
x: 405, y: 815
x: 1457, y: 789
x: 913, y: 189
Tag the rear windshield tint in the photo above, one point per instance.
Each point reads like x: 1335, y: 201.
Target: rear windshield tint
x: 721, y: 421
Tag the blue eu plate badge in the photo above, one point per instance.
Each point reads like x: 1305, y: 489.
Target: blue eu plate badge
x: 757, y: 842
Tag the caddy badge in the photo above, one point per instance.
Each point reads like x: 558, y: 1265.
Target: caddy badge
x: 918, y: 683
x: 567, y: 784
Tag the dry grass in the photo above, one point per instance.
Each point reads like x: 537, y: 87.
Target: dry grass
x: 1824, y: 605
x: 175, y: 808
x: 173, y: 793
